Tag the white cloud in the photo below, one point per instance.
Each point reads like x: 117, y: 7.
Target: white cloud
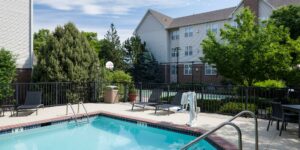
x: 98, y: 7
x: 93, y: 9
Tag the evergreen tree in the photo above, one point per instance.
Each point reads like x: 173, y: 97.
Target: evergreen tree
x: 66, y: 56
x: 7, y: 73
x: 109, y: 53
x: 146, y: 69
x: 133, y: 48
x: 110, y: 49
x: 92, y: 38
x: 113, y: 37
x: 40, y: 39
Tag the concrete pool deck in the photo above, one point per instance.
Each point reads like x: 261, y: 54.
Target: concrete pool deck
x: 267, y: 140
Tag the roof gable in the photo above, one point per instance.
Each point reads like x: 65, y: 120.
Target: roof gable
x: 164, y: 20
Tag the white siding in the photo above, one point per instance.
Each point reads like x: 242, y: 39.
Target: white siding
x: 15, y: 30
x: 265, y: 10
x: 199, y: 34
x: 155, y: 36
x: 237, y: 11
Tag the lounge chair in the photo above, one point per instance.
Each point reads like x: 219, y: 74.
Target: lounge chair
x: 153, y: 100
x: 175, y: 104
x: 33, y: 101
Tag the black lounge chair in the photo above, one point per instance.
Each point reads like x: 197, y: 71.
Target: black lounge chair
x: 153, y: 100
x: 33, y: 101
x: 175, y: 103
x: 279, y: 115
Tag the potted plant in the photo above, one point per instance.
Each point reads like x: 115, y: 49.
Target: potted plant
x: 132, y: 94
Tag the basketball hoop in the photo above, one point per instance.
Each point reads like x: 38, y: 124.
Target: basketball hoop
x: 109, y: 65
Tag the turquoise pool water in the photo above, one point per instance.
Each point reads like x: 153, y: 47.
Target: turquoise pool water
x: 102, y: 133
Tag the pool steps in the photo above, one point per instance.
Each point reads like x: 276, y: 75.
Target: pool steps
x: 74, y: 117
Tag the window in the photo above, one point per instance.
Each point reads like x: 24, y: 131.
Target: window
x: 175, y: 35
x: 212, y: 27
x: 174, y: 52
x: 188, y: 69
x: 234, y: 24
x: 188, y: 51
x: 173, y: 69
x: 210, y: 70
x: 188, y: 31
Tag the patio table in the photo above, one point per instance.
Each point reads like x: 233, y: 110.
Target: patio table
x: 295, y: 108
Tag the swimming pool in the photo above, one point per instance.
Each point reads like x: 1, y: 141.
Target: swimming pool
x: 102, y: 133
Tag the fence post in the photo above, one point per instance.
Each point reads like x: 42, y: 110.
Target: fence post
x: 247, y: 97
x: 126, y: 93
x: 17, y: 94
x: 141, y: 88
x: 56, y: 94
x: 95, y: 91
x: 168, y: 86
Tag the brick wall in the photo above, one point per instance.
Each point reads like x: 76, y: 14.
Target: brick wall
x: 197, y: 77
x: 23, y: 75
x: 165, y: 72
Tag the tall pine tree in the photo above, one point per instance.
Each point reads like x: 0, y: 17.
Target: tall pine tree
x: 111, y: 50
x: 146, y: 69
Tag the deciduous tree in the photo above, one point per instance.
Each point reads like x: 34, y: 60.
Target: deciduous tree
x: 289, y: 17
x: 250, y: 52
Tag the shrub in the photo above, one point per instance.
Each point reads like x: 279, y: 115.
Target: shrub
x: 72, y: 96
x: 270, y: 84
x: 209, y: 105
x: 121, y: 77
x: 117, y: 76
x: 234, y: 108
x: 106, y: 75
x: 7, y: 73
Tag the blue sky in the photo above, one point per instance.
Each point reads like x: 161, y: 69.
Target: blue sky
x: 96, y: 15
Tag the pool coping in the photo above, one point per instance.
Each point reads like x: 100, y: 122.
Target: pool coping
x: 213, y: 139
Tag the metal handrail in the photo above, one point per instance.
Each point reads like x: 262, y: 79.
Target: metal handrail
x: 228, y: 122
x: 86, y: 113
x: 74, y: 114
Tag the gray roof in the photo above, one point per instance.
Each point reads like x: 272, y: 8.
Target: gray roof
x: 163, y: 19
x: 217, y: 15
x: 279, y: 3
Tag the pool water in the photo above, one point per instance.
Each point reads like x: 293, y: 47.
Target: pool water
x: 102, y: 133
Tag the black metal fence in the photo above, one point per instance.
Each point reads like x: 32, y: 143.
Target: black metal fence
x: 211, y: 99
x: 226, y: 99
x: 54, y: 93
